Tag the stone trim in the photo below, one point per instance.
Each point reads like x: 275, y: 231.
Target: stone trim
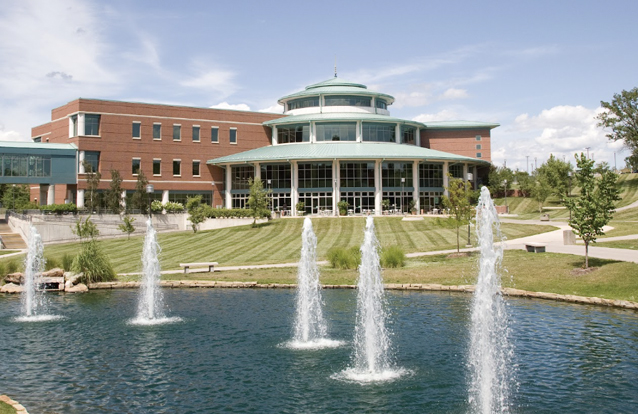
x: 18, y: 407
x: 390, y: 286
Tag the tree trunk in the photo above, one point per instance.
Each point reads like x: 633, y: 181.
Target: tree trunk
x: 458, y: 240
x: 586, y: 254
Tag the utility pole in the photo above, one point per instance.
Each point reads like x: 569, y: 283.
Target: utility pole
x: 527, y: 157
x: 587, y: 148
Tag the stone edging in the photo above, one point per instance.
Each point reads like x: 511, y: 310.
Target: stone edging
x: 390, y: 286
x: 18, y: 407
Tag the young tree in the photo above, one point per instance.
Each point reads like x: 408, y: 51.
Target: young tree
x: 594, y: 206
x: 541, y: 190
x: 525, y: 182
x: 114, y: 193
x: 621, y: 116
x: 196, y: 211
x: 556, y: 174
x: 258, y: 200
x: 127, y: 226
x: 632, y: 161
x: 91, y: 199
x: 458, y: 201
x: 139, y: 200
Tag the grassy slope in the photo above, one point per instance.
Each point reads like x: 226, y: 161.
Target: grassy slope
x: 6, y: 408
x: 279, y: 241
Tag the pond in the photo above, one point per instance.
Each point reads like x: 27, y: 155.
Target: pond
x: 226, y: 355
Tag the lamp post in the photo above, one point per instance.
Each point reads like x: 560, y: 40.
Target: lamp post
x: 269, y: 181
x: 505, y: 192
x: 13, y: 192
x: 149, y: 191
x: 569, y: 191
x: 402, y: 187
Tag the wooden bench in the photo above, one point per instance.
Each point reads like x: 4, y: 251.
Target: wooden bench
x: 535, y: 247
x: 210, y: 265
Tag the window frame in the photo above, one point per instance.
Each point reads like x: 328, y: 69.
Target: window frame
x: 178, y: 128
x: 199, y: 133
x: 139, y: 166
x: 86, y: 124
x: 199, y: 168
x: 157, y: 161
x: 178, y: 162
x: 230, y: 136
x: 139, y: 129
x: 159, y: 125
x: 216, y: 135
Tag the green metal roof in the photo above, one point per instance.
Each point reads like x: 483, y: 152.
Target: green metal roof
x: 460, y: 125
x: 36, y: 145
x: 341, y: 151
x: 336, y: 86
x: 341, y: 116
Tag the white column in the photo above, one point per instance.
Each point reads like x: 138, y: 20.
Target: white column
x: 475, y: 169
x: 274, y: 139
x: 165, y: 194
x: 51, y: 195
x: 81, y: 123
x: 81, y: 169
x: 359, y: 131
x: 228, y: 185
x: 397, y: 133
x: 123, y: 200
x: 417, y: 137
x: 446, y: 179
x: 70, y: 127
x: 465, y: 171
x: 294, y: 191
x: 415, y: 182
x: 336, y: 192
x: 378, y: 189
x: 257, y: 168
x: 80, y: 198
x: 43, y: 194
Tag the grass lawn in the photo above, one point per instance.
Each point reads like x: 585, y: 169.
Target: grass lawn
x: 4, y: 252
x: 620, y: 244
x: 279, y: 241
x: 6, y: 408
x: 547, y: 272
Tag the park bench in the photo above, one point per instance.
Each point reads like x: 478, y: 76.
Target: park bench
x: 210, y: 265
x: 535, y: 247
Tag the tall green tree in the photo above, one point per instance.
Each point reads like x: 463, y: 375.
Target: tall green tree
x: 139, y: 200
x: 91, y: 197
x: 500, y: 180
x: 196, y: 211
x: 621, y: 117
x: 459, y: 202
x: 257, y: 200
x: 525, y: 182
x: 594, y: 207
x: 556, y: 173
x: 16, y: 196
x: 114, y: 193
x: 632, y: 161
x: 541, y: 190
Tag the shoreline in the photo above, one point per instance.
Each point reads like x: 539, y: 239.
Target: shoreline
x: 188, y: 284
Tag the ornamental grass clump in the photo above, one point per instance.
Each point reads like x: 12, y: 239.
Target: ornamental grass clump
x: 392, y: 256
x: 91, y: 261
x: 341, y: 258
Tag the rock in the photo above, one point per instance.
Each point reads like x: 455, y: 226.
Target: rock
x: 73, y: 278
x: 56, y: 272
x: 80, y: 287
x: 11, y: 288
x: 16, y: 278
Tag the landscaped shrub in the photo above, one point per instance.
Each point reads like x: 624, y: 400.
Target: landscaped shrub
x: 93, y: 263
x: 67, y: 261
x: 172, y: 207
x: 60, y: 208
x: 157, y: 206
x: 341, y: 258
x: 3, y: 270
x: 392, y: 256
x: 51, y: 263
x: 12, y: 266
x: 228, y: 213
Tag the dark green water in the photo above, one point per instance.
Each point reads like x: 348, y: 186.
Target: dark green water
x: 225, y: 356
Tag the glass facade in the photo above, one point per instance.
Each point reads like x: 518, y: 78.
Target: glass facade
x: 316, y: 202
x: 92, y: 158
x: 379, y: 132
x: 396, y: 174
x: 240, y: 177
x: 429, y: 200
x: 280, y: 176
x: 23, y: 165
x: 408, y: 135
x: 456, y: 170
x: 91, y: 124
x: 303, y: 103
x: 356, y: 175
x: 430, y: 175
x: 348, y: 100
x: 359, y: 202
x: 293, y: 133
x: 381, y: 104
x: 315, y: 175
x: 337, y: 131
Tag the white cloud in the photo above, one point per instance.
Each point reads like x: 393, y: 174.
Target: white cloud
x: 275, y: 109
x: 236, y: 107
x: 9, y: 135
x: 444, y: 115
x: 454, y: 93
x: 218, y: 81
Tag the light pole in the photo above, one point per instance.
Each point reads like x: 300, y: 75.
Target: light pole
x: 268, y: 182
x: 505, y: 192
x: 402, y: 186
x: 527, y: 158
x: 569, y: 191
x: 149, y: 191
x: 13, y: 192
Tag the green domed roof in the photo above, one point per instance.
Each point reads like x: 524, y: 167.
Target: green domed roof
x: 336, y: 86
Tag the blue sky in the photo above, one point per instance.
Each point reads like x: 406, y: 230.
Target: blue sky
x: 539, y: 68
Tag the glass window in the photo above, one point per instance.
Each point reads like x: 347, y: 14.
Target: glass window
x: 23, y: 165
x: 135, y: 166
x: 357, y: 174
x: 346, y: 100
x: 233, y: 136
x: 196, y: 172
x: 303, y: 103
x: 157, y: 131
x: 195, y: 133
x: 408, y: 135
x: 478, y: 155
x: 293, y: 133
x: 338, y: 131
x: 91, y: 124
x: 157, y: 167
x: 478, y: 146
x: 92, y: 158
x: 137, y: 130
x: 456, y: 170
x: 177, y: 167
x: 74, y: 123
x: 478, y: 137
x: 430, y: 175
x: 279, y: 175
x: 315, y: 175
x: 37, y: 139
x: 381, y: 104
x: 378, y: 132
x: 240, y: 177
x: 214, y: 134
x: 177, y: 132
x: 397, y: 174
